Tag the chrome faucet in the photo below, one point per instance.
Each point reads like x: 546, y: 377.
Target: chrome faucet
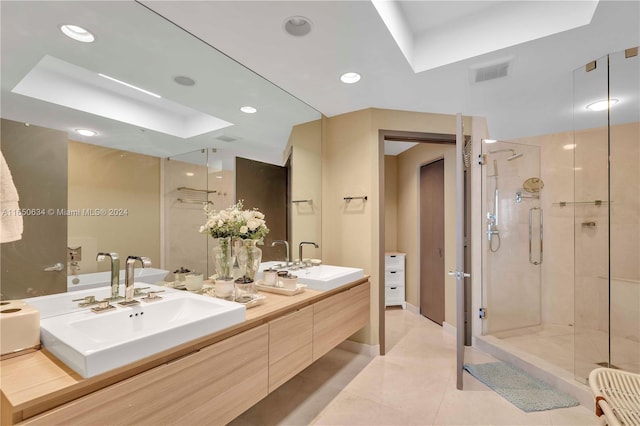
x: 129, y: 278
x: 287, y: 257
x: 300, y: 249
x: 115, y: 272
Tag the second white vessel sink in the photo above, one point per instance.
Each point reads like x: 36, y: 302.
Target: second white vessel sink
x: 93, y: 343
x: 322, y: 277
x: 327, y: 277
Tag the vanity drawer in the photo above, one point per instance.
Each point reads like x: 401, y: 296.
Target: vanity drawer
x: 290, y: 346
x: 338, y: 317
x: 211, y: 386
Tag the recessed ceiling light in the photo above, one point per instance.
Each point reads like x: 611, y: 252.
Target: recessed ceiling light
x: 569, y: 146
x: 130, y: 85
x: 248, y: 109
x: 489, y: 140
x: 601, y: 105
x: 297, y: 26
x: 218, y: 177
x: 77, y: 33
x: 350, y: 77
x: 190, y: 174
x: 183, y: 80
x: 86, y: 132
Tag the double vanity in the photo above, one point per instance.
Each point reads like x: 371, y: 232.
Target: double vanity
x: 178, y: 358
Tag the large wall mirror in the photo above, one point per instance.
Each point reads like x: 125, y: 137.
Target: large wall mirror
x: 118, y: 190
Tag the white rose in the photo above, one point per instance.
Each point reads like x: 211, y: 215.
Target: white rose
x: 220, y: 223
x: 247, y: 215
x: 253, y: 224
x: 259, y: 215
x: 244, y: 230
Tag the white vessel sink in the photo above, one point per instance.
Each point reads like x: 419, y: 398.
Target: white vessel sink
x: 327, y: 277
x: 92, y: 343
x: 323, y: 277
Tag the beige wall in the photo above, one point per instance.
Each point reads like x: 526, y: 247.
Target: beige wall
x: 352, y: 163
x: 127, y: 186
x: 306, y: 184
x: 409, y: 163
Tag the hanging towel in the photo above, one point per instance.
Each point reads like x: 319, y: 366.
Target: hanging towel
x: 11, y: 220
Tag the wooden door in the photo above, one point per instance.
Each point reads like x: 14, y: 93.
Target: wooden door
x: 264, y: 186
x: 432, y: 241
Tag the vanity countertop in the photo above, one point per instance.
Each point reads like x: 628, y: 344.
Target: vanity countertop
x: 38, y: 381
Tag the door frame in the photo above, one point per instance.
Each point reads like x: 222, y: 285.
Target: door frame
x: 400, y: 136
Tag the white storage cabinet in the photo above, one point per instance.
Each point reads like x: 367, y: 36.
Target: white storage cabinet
x: 394, y: 291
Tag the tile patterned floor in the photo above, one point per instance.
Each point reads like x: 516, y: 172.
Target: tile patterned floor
x: 414, y: 384
x: 557, y: 345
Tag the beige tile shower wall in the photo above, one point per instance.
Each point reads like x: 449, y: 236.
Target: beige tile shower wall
x: 625, y: 236
x: 584, y: 302
x: 306, y: 184
x: 126, y: 188
x: 557, y: 270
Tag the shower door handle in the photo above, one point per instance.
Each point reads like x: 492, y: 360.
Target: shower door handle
x: 531, y: 210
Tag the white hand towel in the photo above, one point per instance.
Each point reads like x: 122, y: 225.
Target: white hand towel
x: 10, y: 220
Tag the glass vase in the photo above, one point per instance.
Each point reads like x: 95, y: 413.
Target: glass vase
x: 249, y: 258
x: 223, y: 260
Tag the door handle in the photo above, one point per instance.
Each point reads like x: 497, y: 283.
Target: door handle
x: 458, y: 274
x: 55, y: 268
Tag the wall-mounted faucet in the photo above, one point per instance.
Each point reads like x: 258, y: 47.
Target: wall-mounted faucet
x: 115, y: 272
x: 287, y: 257
x: 300, y: 248
x: 129, y: 278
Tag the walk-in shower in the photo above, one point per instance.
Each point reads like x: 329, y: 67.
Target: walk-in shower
x: 561, y: 286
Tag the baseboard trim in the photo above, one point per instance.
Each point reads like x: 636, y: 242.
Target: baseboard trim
x: 413, y: 309
x: 449, y: 329
x: 360, y: 348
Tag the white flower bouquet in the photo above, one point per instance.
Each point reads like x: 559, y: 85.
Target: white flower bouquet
x: 234, y: 222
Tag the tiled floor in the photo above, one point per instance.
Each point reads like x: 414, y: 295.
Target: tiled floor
x: 414, y: 384
x: 557, y: 345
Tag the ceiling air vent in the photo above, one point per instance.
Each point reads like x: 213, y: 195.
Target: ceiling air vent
x: 226, y: 138
x: 491, y: 72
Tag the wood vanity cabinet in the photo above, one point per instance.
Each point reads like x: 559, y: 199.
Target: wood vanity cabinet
x: 290, y: 346
x: 338, y: 317
x: 212, y: 386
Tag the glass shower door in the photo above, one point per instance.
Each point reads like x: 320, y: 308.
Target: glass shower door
x: 607, y: 212
x: 624, y: 210
x: 591, y: 228
x: 513, y: 243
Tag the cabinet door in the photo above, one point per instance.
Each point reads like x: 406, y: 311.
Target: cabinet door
x: 338, y: 317
x: 211, y: 386
x: 290, y: 346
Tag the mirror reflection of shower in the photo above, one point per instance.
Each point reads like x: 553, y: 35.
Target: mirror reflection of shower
x: 493, y: 233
